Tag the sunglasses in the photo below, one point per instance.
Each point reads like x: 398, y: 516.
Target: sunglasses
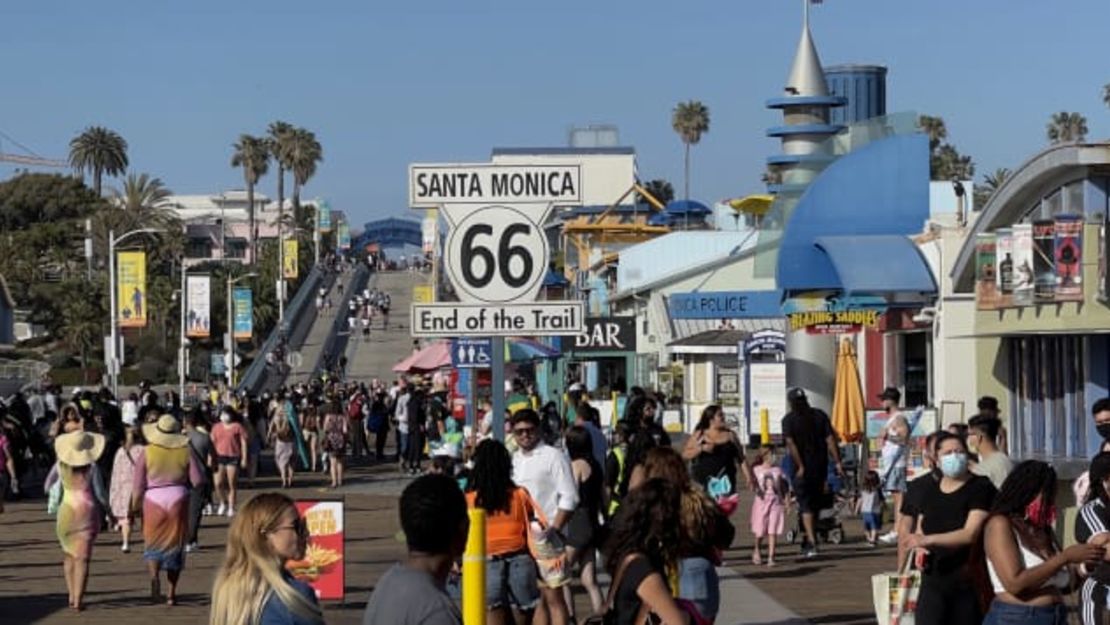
x: 299, y: 526
x: 526, y: 431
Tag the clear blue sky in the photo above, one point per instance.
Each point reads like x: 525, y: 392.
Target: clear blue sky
x: 386, y: 83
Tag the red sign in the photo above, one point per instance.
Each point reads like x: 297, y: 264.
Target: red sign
x: 323, y: 566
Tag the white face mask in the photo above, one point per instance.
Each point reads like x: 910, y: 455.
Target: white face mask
x: 225, y: 418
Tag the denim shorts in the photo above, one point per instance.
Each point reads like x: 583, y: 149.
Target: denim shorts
x: 871, y: 521
x: 1010, y: 614
x: 699, y: 584
x: 511, y: 581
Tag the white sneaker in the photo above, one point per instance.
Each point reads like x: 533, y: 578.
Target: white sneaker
x: 230, y: 512
x: 125, y: 548
x: 191, y: 547
x: 207, y: 510
x: 221, y: 510
x: 889, y: 538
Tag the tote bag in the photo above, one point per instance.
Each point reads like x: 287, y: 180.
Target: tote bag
x: 895, y: 595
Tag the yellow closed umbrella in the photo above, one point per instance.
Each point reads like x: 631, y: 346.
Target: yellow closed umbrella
x: 847, y: 409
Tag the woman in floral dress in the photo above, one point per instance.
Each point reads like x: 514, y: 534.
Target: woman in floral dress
x: 123, y: 478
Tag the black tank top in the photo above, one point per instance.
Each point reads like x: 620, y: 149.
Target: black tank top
x: 720, y: 462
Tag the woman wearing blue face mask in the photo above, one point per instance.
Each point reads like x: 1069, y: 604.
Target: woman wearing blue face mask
x: 954, y: 509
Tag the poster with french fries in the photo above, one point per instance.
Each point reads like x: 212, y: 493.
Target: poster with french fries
x: 322, y: 566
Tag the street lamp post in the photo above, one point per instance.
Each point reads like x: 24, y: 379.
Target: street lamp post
x: 183, y: 342
x: 281, y: 263
x: 231, y: 327
x: 113, y: 361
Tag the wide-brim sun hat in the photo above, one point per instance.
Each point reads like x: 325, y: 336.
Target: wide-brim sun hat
x: 166, y: 432
x: 79, y: 449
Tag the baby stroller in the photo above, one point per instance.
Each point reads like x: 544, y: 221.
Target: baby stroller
x: 834, y: 504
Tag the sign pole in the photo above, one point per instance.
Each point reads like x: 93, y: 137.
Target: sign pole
x: 472, y: 400
x: 497, y: 384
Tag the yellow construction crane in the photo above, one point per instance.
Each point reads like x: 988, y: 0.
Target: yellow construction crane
x: 605, y: 228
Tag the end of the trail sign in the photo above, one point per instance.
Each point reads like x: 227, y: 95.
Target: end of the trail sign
x: 520, y: 319
x: 433, y: 185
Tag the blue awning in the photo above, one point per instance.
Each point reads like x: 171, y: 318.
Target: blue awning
x: 878, y: 264
x: 684, y: 207
x: 554, y: 279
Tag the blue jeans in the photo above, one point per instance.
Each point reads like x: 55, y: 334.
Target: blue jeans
x: 1011, y: 614
x: 699, y: 584
x: 403, y: 452
x: 871, y: 521
x: 511, y: 581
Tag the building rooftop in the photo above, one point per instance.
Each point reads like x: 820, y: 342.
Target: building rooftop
x: 618, y: 150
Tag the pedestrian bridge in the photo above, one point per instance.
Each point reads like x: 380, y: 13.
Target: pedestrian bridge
x: 390, y: 232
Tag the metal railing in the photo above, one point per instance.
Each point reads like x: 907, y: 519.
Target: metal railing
x: 254, y: 378
x: 336, y: 343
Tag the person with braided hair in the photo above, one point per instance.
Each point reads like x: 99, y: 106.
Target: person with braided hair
x: 1027, y: 570
x: 1092, y: 526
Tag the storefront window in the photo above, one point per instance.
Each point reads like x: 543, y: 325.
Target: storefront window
x: 1073, y: 198
x: 1046, y: 385
x: 1053, y: 205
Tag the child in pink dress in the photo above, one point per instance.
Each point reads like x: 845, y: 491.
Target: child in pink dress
x: 769, y: 506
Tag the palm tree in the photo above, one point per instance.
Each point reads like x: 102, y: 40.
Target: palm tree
x: 995, y: 179
x: 305, y: 153
x: 98, y: 151
x: 144, y: 199
x: 948, y: 164
x: 659, y: 189
x: 81, y: 326
x: 690, y: 120
x: 280, y: 141
x: 933, y: 127
x: 1065, y: 127
x: 253, y: 155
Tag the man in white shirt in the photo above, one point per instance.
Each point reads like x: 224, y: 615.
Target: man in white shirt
x: 401, y: 420
x: 545, y: 471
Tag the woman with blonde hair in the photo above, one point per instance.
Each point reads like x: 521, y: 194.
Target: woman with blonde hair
x: 252, y: 586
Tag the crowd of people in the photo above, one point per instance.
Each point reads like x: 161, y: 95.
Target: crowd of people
x: 563, y: 501
x: 364, y: 308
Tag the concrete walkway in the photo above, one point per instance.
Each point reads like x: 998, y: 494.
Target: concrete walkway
x: 318, y: 335
x: 375, y: 358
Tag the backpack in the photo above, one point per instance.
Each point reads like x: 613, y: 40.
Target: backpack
x: 354, y: 409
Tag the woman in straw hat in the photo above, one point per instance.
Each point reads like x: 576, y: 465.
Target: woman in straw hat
x: 164, y: 471
x: 82, y: 506
x: 252, y: 585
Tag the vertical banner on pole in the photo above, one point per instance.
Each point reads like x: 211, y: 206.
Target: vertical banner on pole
x: 289, y: 268
x: 344, y: 239
x: 244, y: 313
x: 198, y: 298
x: 323, y: 216
x: 131, y: 284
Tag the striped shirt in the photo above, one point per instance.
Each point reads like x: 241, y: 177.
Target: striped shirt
x: 1094, y: 519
